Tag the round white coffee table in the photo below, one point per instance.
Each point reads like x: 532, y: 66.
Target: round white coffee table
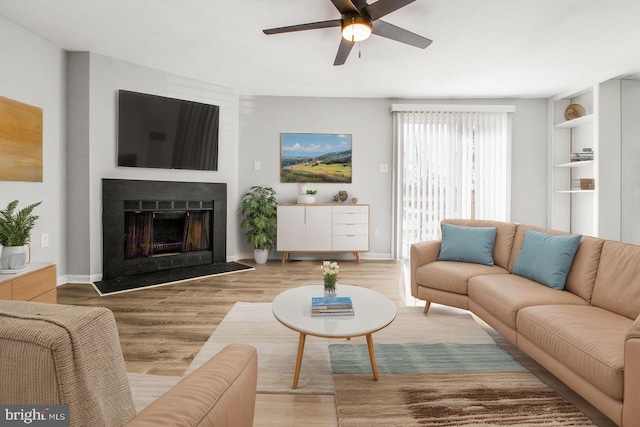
x: 373, y: 311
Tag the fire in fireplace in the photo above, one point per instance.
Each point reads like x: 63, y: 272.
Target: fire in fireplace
x: 149, y: 234
x: 153, y: 226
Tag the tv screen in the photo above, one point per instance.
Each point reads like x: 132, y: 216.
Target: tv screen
x: 168, y: 133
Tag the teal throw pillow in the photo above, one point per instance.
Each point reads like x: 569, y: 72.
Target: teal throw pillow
x: 546, y: 258
x: 467, y: 244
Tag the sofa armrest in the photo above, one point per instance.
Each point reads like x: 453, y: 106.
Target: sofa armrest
x: 220, y: 393
x: 631, y: 404
x: 422, y: 253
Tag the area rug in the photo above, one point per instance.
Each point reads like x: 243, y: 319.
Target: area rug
x: 166, y: 277
x: 452, y: 399
x: 442, y: 369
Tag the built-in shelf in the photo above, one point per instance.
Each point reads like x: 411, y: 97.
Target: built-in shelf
x: 575, y: 164
x: 580, y: 121
x: 575, y: 191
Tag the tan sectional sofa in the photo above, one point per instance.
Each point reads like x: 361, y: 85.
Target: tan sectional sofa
x: 587, y: 335
x: 62, y: 354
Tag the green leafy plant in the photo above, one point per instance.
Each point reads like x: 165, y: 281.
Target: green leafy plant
x: 312, y: 192
x: 258, y: 206
x: 15, y: 228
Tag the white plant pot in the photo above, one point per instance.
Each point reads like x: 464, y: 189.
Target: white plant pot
x: 260, y: 255
x: 13, y: 257
x: 306, y: 198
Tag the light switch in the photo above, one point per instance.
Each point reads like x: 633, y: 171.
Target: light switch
x: 256, y: 165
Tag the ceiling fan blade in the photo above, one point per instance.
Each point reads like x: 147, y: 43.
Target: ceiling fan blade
x: 343, y: 51
x: 384, y: 7
x: 345, y: 6
x: 303, y: 27
x: 384, y: 29
x: 360, y: 4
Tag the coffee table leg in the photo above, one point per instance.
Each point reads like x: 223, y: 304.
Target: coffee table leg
x: 372, y: 356
x: 303, y: 337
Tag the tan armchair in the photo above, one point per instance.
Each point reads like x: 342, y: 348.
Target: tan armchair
x: 60, y: 354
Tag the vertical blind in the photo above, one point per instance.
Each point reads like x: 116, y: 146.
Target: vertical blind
x: 449, y: 164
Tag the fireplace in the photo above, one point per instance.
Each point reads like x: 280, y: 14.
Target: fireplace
x: 151, y: 226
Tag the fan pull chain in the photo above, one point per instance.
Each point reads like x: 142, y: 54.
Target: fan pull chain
x: 359, y: 51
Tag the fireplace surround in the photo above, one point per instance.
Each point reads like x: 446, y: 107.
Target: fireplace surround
x: 150, y: 226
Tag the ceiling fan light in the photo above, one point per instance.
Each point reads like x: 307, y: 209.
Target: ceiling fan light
x: 356, y: 29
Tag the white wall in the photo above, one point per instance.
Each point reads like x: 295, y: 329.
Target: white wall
x: 95, y: 80
x: 32, y: 71
x: 263, y: 118
x: 630, y: 162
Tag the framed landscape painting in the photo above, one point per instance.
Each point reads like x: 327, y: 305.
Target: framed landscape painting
x: 315, y: 157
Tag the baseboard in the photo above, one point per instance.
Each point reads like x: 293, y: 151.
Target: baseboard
x: 79, y: 278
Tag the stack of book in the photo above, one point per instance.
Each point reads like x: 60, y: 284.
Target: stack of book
x: 331, y: 306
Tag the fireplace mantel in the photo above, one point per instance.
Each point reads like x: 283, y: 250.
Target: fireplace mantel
x: 119, y: 195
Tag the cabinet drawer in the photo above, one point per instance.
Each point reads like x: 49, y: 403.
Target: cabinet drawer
x: 350, y: 229
x: 353, y: 209
x: 353, y: 218
x: 5, y: 290
x: 50, y: 297
x: 31, y: 285
x: 350, y: 243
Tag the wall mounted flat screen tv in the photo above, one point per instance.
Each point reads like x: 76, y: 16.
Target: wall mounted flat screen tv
x: 168, y: 133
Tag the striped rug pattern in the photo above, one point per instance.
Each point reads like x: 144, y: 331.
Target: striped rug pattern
x: 452, y: 400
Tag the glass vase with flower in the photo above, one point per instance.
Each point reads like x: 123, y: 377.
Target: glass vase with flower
x: 330, y: 275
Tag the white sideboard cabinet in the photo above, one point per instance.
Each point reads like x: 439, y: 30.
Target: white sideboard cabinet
x: 320, y: 227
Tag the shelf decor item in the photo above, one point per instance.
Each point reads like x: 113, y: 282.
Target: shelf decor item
x: 587, y: 184
x: 258, y: 206
x: 330, y: 274
x: 573, y: 111
x: 15, y: 234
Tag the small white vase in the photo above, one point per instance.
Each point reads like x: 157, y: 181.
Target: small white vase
x: 260, y: 255
x: 306, y: 198
x: 13, y: 257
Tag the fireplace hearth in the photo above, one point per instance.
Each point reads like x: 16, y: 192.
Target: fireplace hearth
x: 151, y: 226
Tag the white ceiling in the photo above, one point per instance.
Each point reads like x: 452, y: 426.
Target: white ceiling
x: 481, y: 48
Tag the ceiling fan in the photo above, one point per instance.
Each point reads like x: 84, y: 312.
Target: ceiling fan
x: 359, y: 20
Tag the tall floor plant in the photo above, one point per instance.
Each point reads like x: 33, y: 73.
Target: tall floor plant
x: 258, y: 207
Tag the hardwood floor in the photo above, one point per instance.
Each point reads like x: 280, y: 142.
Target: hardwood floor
x: 163, y: 328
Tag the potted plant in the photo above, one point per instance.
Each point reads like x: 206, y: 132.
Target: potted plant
x: 258, y: 206
x: 15, y: 234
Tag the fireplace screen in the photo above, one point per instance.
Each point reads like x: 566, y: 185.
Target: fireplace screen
x: 149, y: 234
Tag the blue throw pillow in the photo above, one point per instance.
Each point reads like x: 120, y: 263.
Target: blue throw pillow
x: 467, y: 244
x: 546, y: 258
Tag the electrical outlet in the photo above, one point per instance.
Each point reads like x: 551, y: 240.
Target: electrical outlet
x: 256, y: 165
x: 376, y: 232
x: 44, y: 240
x: 383, y: 168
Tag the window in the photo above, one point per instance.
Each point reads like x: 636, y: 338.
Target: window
x: 451, y: 162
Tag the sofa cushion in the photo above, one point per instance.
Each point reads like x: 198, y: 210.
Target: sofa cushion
x: 505, y: 232
x: 588, y: 340
x: 467, y: 244
x: 582, y: 275
x: 546, y: 258
x: 504, y: 295
x: 452, y: 276
x: 617, y: 286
